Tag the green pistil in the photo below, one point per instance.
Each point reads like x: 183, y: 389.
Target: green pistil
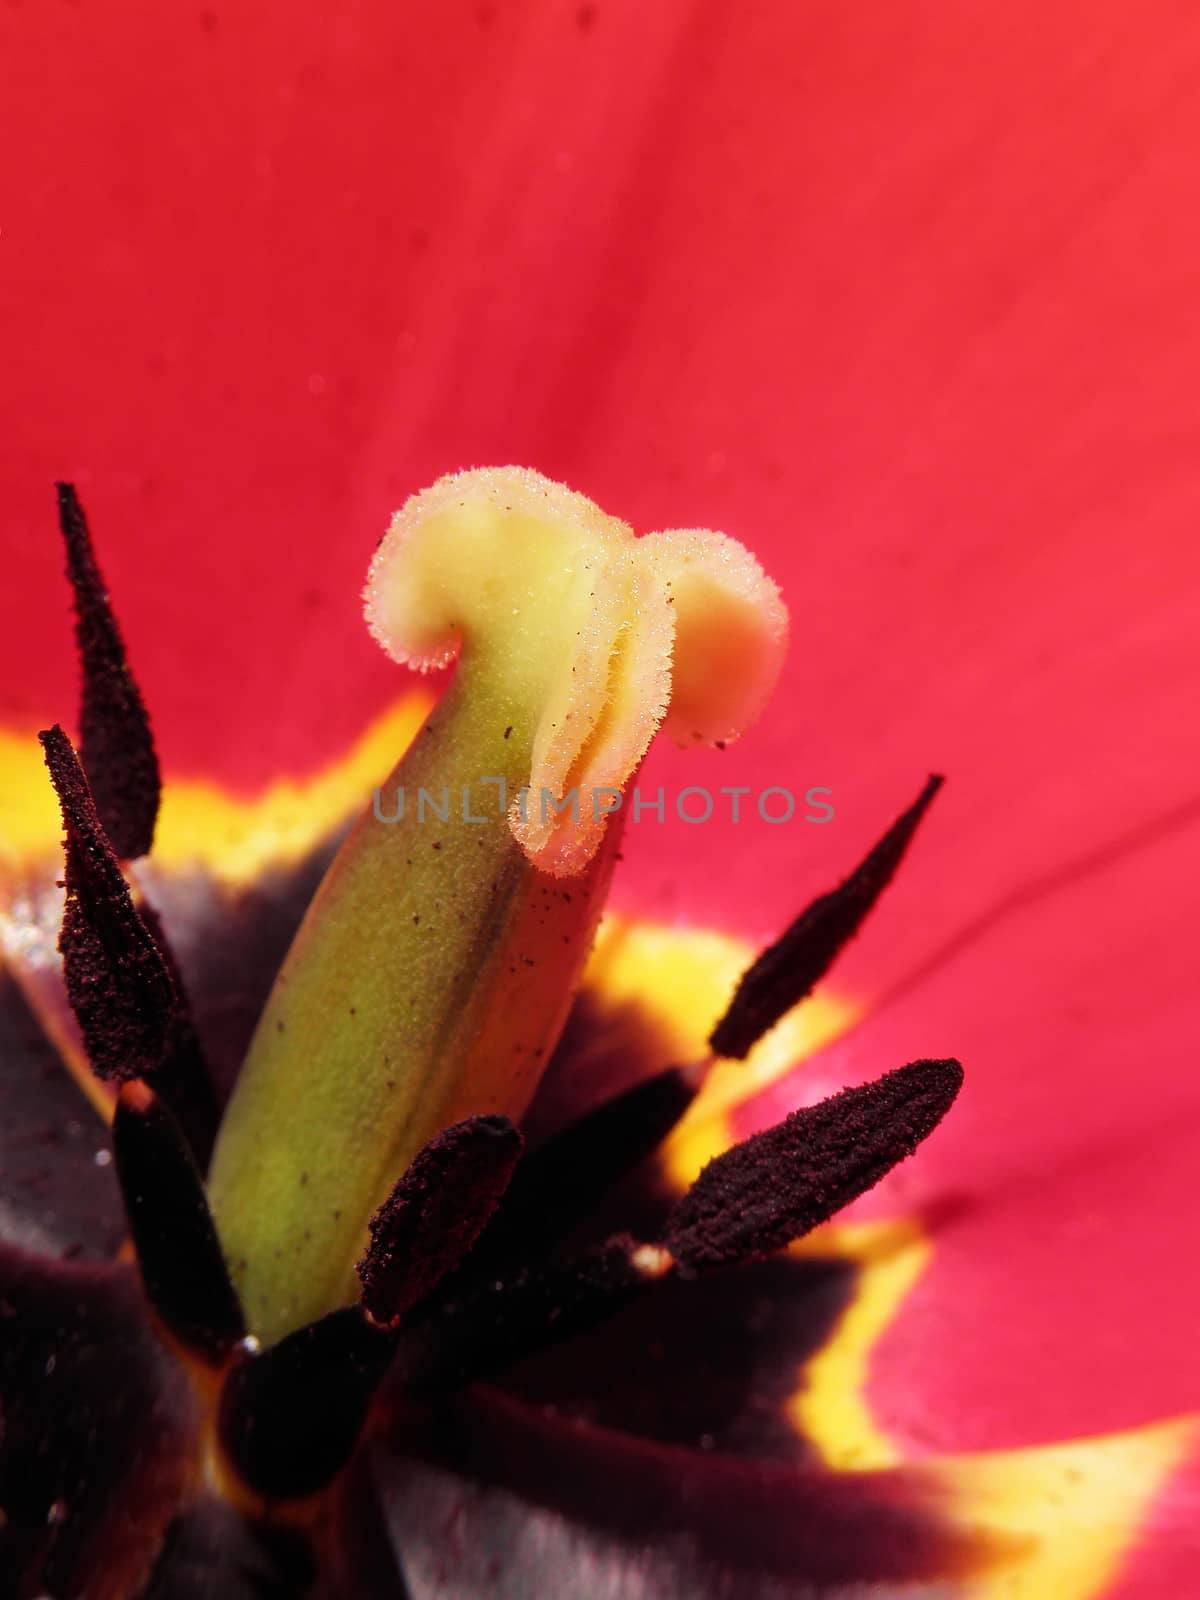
x: 428, y: 982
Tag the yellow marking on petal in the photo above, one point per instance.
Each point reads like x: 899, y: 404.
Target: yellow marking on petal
x: 1075, y: 1508
x: 684, y: 978
x: 30, y: 824
x: 830, y: 1407
x: 694, y: 1142
x: 1068, y: 1513
x: 235, y: 838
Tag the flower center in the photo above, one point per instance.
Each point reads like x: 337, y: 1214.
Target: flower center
x: 449, y: 1257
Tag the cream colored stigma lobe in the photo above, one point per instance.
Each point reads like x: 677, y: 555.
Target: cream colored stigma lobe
x: 609, y: 635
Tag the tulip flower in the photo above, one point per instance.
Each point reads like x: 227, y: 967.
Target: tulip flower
x: 903, y: 305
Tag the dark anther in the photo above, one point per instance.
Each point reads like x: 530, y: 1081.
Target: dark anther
x: 779, y: 1184
x: 563, y: 1180
x: 789, y: 969
x: 183, y: 1270
x: 500, y: 1321
x: 118, y: 979
x: 290, y: 1417
x: 116, y: 744
x: 436, y: 1212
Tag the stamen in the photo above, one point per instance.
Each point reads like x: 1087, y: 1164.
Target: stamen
x: 435, y: 1213
x: 121, y: 985
x: 116, y: 743
x: 290, y: 1417
x: 560, y: 1182
x: 779, y: 1184
x: 183, y: 1270
x: 788, y: 970
x: 500, y: 1322
x: 117, y: 980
